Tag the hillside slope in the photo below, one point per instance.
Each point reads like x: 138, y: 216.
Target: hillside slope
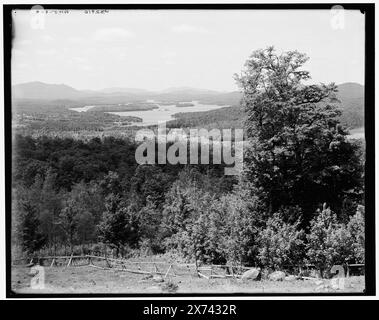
x: 351, y: 96
x: 45, y: 91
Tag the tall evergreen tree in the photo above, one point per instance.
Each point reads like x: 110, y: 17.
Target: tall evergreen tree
x: 31, y: 237
x: 118, y: 227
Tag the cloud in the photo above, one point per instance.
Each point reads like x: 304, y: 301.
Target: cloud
x: 169, y: 54
x: 24, y: 42
x: 46, y: 52
x: 86, y: 67
x: 186, y: 28
x: 79, y: 60
x: 21, y: 66
x: 112, y: 34
x: 19, y: 53
x: 169, y: 57
x: 118, y: 52
x: 75, y: 39
x: 169, y: 62
x: 47, y: 38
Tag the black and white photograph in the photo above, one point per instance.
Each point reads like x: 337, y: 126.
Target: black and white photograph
x: 189, y: 150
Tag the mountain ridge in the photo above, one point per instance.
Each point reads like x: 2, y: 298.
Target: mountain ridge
x: 46, y: 91
x: 40, y: 90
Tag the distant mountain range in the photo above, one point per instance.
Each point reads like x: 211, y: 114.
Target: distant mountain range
x: 350, y: 94
x: 45, y: 91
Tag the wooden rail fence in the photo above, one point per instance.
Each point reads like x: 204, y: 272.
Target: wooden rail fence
x: 163, y: 269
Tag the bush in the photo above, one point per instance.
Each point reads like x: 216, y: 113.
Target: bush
x: 356, y: 228
x: 97, y: 249
x: 244, y: 223
x: 31, y: 237
x: 329, y: 242
x: 186, y: 221
x: 281, y: 243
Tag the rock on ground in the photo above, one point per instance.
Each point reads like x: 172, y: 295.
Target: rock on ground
x: 277, y: 276
x: 158, y: 279
x: 251, y: 274
x: 319, y: 282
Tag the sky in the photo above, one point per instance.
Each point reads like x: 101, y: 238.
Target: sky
x: 158, y: 49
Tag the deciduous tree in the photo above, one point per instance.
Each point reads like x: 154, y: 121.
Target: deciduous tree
x: 299, y: 154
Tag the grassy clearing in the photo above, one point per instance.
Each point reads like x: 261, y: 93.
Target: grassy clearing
x: 90, y: 280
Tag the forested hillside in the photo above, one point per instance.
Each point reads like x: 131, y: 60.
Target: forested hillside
x: 351, y: 96
x: 351, y: 103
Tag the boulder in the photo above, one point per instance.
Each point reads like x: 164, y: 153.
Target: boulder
x: 326, y: 287
x: 148, y: 276
x: 319, y: 282
x: 290, y: 278
x: 158, y: 279
x: 277, y: 276
x: 321, y: 288
x: 251, y: 274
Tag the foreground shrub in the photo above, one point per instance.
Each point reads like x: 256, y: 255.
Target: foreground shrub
x: 246, y: 216
x: 186, y: 221
x: 329, y: 242
x: 280, y: 243
x: 356, y: 228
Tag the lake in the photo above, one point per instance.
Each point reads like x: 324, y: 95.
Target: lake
x: 162, y: 114
x: 82, y: 109
x: 165, y: 112
x: 357, y: 133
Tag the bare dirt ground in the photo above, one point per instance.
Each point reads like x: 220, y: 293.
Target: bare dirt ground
x: 87, y: 279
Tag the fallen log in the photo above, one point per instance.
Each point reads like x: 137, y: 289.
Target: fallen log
x: 309, y: 278
x: 202, y: 275
x: 127, y: 270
